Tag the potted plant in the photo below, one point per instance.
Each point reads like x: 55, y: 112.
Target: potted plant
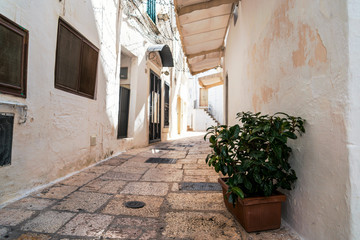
x: 254, y: 158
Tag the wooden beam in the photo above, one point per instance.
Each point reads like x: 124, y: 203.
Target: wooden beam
x: 203, y: 5
x: 214, y: 85
x: 201, y: 84
x: 220, y: 49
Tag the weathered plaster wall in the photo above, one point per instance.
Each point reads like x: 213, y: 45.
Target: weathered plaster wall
x: 292, y: 56
x: 202, y: 120
x: 353, y: 126
x: 55, y: 141
x: 216, y: 102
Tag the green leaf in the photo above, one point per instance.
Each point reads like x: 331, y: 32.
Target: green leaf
x: 256, y: 138
x: 290, y: 135
x: 247, y: 184
x: 238, y: 192
x: 277, y: 151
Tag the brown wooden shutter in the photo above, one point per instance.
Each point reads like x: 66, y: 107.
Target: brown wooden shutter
x: 13, y: 57
x: 88, y: 69
x: 68, y: 59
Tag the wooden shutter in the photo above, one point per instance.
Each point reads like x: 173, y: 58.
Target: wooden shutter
x: 89, y: 59
x: 68, y: 59
x: 13, y: 57
x: 76, y: 62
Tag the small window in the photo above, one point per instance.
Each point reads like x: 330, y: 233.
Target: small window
x: 76, y: 62
x: 166, y: 105
x: 123, y: 72
x: 151, y: 9
x: 13, y: 57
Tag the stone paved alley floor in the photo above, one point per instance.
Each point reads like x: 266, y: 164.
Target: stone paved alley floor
x: 90, y: 204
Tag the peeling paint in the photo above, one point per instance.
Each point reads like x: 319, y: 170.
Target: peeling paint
x: 292, y: 58
x: 310, y: 47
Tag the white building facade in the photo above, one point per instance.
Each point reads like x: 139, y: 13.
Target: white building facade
x: 61, y: 125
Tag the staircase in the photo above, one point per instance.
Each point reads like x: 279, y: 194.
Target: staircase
x: 211, y: 116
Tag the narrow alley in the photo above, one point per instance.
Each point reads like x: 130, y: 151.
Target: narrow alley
x: 182, y: 200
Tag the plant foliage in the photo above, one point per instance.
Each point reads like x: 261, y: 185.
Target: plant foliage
x: 254, y: 155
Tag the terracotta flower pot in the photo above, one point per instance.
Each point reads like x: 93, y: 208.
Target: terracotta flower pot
x: 255, y: 213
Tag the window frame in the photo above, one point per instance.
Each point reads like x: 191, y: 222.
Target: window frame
x: 7, y: 88
x: 84, y: 40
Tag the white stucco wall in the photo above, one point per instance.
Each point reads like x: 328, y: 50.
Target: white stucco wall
x: 55, y: 140
x: 215, y: 99
x: 353, y: 126
x: 292, y: 56
x: 202, y: 120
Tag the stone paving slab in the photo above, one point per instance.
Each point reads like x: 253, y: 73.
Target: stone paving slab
x: 80, y: 179
x: 56, y: 192
x: 134, y: 170
x: 99, y: 169
x: 82, y: 201
x: 48, y: 222
x: 121, y: 176
x: 91, y: 204
x: 170, y: 166
x: 31, y: 203
x: 146, y: 188
x: 103, y: 186
x: 133, y: 228
x: 163, y: 175
x: 34, y: 236
x: 3, y: 232
x: 12, y: 217
x: 187, y: 161
x: 201, y: 178
x: 196, y: 201
x: 200, y: 172
x: 198, y: 225
x: 151, y: 209
x: 85, y: 224
x: 138, y: 164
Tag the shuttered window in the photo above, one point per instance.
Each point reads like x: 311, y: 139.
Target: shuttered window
x: 13, y: 57
x: 76, y: 62
x: 151, y: 9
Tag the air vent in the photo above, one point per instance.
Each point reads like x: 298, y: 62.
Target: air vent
x: 6, y: 136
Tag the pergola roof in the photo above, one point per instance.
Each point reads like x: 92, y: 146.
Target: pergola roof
x: 212, y: 80
x: 202, y: 25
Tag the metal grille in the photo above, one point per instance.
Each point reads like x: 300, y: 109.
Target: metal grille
x: 6, y: 136
x: 184, y: 145
x: 161, y: 160
x: 199, y: 186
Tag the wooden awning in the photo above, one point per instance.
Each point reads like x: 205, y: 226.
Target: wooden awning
x: 212, y: 80
x: 202, y: 25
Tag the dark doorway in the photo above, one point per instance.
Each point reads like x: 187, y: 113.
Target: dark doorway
x: 124, y: 103
x: 155, y: 108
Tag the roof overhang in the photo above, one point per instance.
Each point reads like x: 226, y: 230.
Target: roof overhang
x: 202, y: 25
x: 212, y: 80
x: 165, y: 54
